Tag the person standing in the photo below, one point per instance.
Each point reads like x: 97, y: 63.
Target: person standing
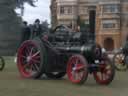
x: 25, y: 35
x: 36, y: 29
x: 26, y: 32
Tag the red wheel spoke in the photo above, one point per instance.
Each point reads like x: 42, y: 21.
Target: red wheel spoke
x: 76, y: 62
x: 73, y: 74
x: 27, y: 51
x: 37, y: 57
x: 31, y: 51
x: 107, y: 72
x: 80, y: 67
x: 36, y: 67
x: 23, y: 56
x: 76, y: 76
x: 107, y: 76
x: 80, y: 75
x: 35, y: 61
x: 37, y: 53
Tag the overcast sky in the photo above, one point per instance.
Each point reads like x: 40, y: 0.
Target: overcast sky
x: 42, y: 11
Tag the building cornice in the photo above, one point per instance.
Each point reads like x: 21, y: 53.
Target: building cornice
x: 110, y: 2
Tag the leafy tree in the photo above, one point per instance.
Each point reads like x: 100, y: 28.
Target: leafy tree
x: 20, y: 4
x: 10, y: 25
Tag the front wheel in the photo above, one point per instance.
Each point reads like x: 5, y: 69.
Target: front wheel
x: 77, y: 69
x: 105, y: 73
x: 2, y: 63
x: 119, y: 61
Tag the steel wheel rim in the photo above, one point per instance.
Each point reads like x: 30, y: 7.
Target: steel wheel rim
x: 29, y: 60
x: 105, y: 72
x: 119, y: 61
x: 76, y: 69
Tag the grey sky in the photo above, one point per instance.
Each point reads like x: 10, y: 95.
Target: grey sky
x: 42, y: 11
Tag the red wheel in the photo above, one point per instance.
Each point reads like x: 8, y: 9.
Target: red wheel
x: 77, y: 69
x: 30, y: 59
x: 106, y: 72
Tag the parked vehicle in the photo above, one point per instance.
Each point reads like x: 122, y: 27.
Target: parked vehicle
x: 63, y: 51
x: 121, y: 59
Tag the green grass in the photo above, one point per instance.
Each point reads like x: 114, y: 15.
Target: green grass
x: 12, y: 85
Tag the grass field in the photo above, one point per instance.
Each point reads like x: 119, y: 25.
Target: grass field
x: 12, y: 85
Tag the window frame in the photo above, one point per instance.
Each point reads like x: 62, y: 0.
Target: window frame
x: 111, y: 8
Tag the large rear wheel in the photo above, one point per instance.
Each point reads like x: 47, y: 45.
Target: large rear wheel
x: 31, y: 57
x: 77, y: 69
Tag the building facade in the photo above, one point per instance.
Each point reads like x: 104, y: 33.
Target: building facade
x: 111, y: 18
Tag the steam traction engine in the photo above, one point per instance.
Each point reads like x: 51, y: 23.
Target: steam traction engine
x: 61, y: 52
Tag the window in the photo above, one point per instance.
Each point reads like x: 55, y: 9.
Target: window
x: 69, y: 10
x: 86, y: 22
x: 110, y: 24
x: 62, y: 10
x: 112, y: 8
x: 66, y: 10
x: 83, y: 10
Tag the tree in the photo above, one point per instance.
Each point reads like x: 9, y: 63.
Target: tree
x: 10, y: 25
x: 20, y: 4
x: 45, y: 26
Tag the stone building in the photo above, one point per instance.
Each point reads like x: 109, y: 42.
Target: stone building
x: 111, y: 18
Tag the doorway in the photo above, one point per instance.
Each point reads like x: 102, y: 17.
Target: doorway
x: 109, y: 44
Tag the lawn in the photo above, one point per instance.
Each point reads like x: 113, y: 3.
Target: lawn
x: 12, y: 85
